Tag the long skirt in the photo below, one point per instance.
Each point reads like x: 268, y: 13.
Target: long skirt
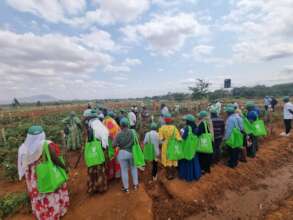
x: 46, y: 206
x: 189, y: 170
x: 97, y: 180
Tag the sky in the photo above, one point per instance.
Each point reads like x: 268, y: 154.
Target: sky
x: 96, y: 49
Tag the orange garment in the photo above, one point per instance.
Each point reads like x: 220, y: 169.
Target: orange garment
x: 112, y: 126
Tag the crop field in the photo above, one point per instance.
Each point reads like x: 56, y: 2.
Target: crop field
x: 262, y: 188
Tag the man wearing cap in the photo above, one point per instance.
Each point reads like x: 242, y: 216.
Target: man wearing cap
x: 288, y: 116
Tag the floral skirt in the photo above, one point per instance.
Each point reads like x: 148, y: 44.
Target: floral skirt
x: 46, y: 206
x: 97, y: 180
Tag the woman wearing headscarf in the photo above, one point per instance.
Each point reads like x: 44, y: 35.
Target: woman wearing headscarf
x: 72, y: 131
x: 204, y: 126
x: 189, y: 170
x: 124, y: 141
x: 97, y: 180
x: 165, y: 133
x: 113, y: 168
x: 44, y: 205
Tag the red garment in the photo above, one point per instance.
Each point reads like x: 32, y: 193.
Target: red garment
x: 46, y: 206
x: 56, y: 148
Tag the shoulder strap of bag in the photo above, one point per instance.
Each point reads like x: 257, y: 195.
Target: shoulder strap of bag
x: 205, y: 127
x: 149, y: 139
x: 46, y: 152
x: 134, y: 136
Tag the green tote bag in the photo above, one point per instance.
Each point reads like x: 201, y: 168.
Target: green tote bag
x: 205, y: 142
x: 189, y: 145
x: 93, y: 153
x: 49, y: 176
x: 174, y: 148
x: 247, y: 126
x: 137, y: 153
x: 236, y: 139
x: 149, y: 151
x: 259, y: 128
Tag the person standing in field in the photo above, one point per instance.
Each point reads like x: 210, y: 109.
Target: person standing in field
x: 219, y: 131
x: 288, y: 116
x: 44, y: 205
x: 165, y: 133
x: 113, y: 168
x: 274, y: 102
x: 253, y: 113
x: 132, y: 118
x: 73, y: 131
x: 152, y: 137
x: 97, y: 180
x: 204, y: 126
x: 164, y: 111
x: 124, y: 142
x: 231, y: 123
x: 189, y: 170
x: 267, y: 102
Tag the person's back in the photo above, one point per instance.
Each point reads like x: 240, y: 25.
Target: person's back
x: 219, y: 127
x: 132, y: 118
x: 124, y: 139
x: 152, y: 137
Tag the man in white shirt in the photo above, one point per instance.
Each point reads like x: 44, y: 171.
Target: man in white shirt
x: 288, y: 116
x: 132, y: 119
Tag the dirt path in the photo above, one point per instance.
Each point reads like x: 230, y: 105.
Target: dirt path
x: 263, y: 180
x: 251, y: 191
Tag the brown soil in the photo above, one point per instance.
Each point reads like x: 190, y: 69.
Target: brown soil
x: 251, y: 191
x: 283, y: 212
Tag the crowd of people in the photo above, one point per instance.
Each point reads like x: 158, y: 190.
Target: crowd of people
x: 110, y: 138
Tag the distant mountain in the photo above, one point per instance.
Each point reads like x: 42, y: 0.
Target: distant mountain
x: 41, y: 98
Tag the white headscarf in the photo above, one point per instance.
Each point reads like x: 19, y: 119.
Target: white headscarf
x: 30, y: 151
x: 101, y: 132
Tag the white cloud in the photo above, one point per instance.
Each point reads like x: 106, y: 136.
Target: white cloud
x: 58, y: 59
x: 100, y: 40
x: 132, y: 62
x: 74, y: 12
x: 117, y: 68
x: 166, y: 34
x: 264, y: 29
x: 202, y: 50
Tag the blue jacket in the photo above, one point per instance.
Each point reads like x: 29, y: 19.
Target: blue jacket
x: 233, y: 121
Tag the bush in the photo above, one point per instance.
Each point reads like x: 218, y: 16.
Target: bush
x: 12, y: 203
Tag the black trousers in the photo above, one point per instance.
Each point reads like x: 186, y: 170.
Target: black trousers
x: 233, y: 157
x: 288, y: 125
x: 251, y: 145
x: 217, y: 150
x: 154, y: 168
x: 205, y: 161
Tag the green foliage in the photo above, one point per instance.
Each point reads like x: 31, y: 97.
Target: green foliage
x: 12, y: 203
x: 200, y: 90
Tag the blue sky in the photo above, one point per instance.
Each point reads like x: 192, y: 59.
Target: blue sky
x: 86, y: 49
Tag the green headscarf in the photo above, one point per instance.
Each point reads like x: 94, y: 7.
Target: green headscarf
x: 189, y: 117
x: 35, y: 130
x: 124, y: 122
x: 286, y: 99
x: 202, y: 114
